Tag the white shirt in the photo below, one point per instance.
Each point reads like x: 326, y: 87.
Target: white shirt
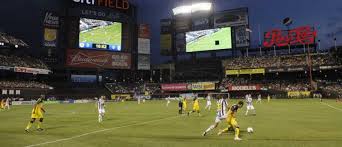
x: 222, y: 107
x: 100, y: 104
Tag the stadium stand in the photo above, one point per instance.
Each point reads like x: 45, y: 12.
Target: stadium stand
x: 26, y: 61
x: 23, y: 84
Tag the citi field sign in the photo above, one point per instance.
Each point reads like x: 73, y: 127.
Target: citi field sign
x: 114, y: 4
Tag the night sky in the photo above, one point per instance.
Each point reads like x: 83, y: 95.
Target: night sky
x: 18, y: 17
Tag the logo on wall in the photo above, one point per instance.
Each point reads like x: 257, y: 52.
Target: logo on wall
x: 51, y: 20
x: 298, y: 36
x: 50, y: 37
x: 114, y: 4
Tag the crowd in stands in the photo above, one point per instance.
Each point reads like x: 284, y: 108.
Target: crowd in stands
x: 27, y: 61
x: 279, y: 85
x: 139, y: 87
x: 23, y: 84
x: 5, y: 38
x: 277, y: 61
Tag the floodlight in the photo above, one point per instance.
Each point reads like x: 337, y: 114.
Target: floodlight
x: 195, y: 7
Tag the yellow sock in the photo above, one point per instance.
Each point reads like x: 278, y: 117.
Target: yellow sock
x: 39, y: 125
x: 224, y: 130
x: 28, y: 125
x: 237, y: 132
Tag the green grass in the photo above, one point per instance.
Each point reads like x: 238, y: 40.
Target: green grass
x: 110, y: 34
x: 207, y: 43
x: 280, y: 123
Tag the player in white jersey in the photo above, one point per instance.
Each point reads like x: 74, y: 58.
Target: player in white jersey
x: 259, y: 99
x: 250, y: 106
x: 208, y: 106
x: 168, y: 101
x: 221, y: 114
x: 7, y: 104
x: 101, y: 108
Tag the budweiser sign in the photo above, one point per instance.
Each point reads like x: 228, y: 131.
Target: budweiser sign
x: 98, y: 59
x: 298, y: 36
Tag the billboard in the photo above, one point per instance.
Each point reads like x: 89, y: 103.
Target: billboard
x: 209, y: 40
x: 165, y: 44
x: 144, y: 31
x: 174, y: 87
x: 241, y: 36
x: 98, y: 59
x: 99, y: 34
x: 51, y: 19
x: 203, y: 86
x: 297, y: 36
x: 200, y: 23
x: 236, y: 17
x: 244, y: 88
x: 165, y: 26
x: 182, y: 24
x: 50, y: 37
x: 144, y: 46
x: 180, y: 42
x: 144, y: 62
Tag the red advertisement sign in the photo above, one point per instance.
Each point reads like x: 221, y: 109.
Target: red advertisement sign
x: 144, y: 31
x: 98, y: 59
x: 174, y: 87
x: 244, y: 88
x: 298, y: 36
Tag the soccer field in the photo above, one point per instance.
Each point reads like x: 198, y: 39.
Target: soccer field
x: 110, y: 34
x: 280, y: 123
x: 207, y: 43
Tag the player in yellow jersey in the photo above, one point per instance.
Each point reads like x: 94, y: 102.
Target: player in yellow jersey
x: 37, y: 113
x: 2, y: 104
x: 195, y: 107
x: 184, y: 104
x: 232, y: 122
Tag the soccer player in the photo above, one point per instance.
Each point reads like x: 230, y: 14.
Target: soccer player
x: 2, y: 104
x: 195, y: 107
x: 259, y: 99
x: 168, y: 101
x: 184, y: 104
x: 7, y: 104
x: 249, y: 101
x: 268, y: 98
x: 180, y: 106
x: 37, y: 113
x: 101, y: 108
x: 208, y: 106
x: 231, y: 119
x: 221, y: 114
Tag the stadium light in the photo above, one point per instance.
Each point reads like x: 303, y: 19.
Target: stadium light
x: 186, y: 9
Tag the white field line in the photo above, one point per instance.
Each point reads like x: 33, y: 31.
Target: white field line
x: 99, y: 131
x: 332, y: 106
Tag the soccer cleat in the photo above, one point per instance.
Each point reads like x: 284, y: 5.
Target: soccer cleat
x: 188, y: 113
x: 27, y: 131
x: 204, y: 134
x: 40, y: 129
x: 237, y: 139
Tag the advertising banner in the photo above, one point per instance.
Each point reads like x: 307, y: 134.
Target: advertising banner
x: 165, y: 26
x: 180, y: 42
x: 182, y: 24
x: 31, y: 70
x: 244, y: 88
x: 144, y: 31
x: 245, y: 71
x: 200, y: 23
x: 203, y: 86
x: 297, y: 36
x: 50, y: 37
x: 236, y: 17
x: 98, y: 59
x: 174, y: 87
x: 285, y: 69
x: 165, y: 44
x: 241, y: 36
x: 51, y: 19
x: 144, y: 62
x: 298, y: 94
x: 144, y: 46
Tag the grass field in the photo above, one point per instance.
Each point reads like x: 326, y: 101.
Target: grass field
x: 280, y: 123
x: 110, y: 34
x: 207, y: 43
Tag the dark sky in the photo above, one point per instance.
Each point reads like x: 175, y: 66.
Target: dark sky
x: 18, y: 17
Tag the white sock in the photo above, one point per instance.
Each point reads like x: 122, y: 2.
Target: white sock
x: 210, y: 128
x: 246, y: 112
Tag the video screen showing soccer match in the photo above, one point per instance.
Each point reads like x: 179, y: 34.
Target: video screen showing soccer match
x: 100, y: 34
x: 208, y: 40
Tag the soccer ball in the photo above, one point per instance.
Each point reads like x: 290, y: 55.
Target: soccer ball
x: 250, y: 130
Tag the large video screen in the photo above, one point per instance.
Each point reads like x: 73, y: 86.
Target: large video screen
x: 209, y: 40
x: 99, y: 34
